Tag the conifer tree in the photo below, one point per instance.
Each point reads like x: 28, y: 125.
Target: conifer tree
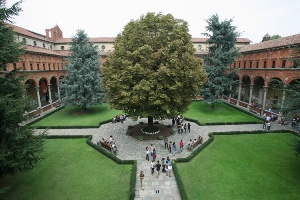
x: 222, y: 52
x: 153, y: 71
x: 19, y: 148
x: 82, y: 87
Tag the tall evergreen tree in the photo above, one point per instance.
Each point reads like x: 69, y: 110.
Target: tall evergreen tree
x: 82, y: 87
x: 153, y: 71
x: 222, y: 52
x: 19, y: 148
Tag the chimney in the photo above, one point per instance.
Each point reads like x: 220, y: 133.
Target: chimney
x: 267, y: 37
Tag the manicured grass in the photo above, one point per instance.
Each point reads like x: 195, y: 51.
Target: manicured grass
x: 260, y: 166
x: 73, y: 116
x: 222, y: 113
x: 71, y: 170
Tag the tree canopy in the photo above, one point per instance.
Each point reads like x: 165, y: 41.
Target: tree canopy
x: 153, y: 70
x: 19, y: 148
x: 82, y: 87
x: 222, y: 37
x: 274, y: 37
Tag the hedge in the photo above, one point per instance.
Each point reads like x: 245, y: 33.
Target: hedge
x: 205, y: 144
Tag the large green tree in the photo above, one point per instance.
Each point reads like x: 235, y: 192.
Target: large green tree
x: 274, y: 37
x: 222, y: 37
x: 153, y: 71
x: 82, y: 87
x: 19, y: 148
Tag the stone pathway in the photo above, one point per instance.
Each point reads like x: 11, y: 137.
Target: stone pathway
x: 162, y: 188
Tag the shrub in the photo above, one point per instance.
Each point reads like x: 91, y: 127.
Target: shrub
x: 130, y: 127
x: 141, y: 123
x: 172, y: 132
x: 128, y: 133
x: 160, y: 137
x: 156, y: 122
x: 140, y: 137
x: 169, y: 126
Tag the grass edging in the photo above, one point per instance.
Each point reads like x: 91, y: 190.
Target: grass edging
x: 119, y: 161
x: 205, y: 144
x: 108, y: 155
x: 242, y: 110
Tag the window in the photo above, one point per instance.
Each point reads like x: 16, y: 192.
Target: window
x: 239, y: 65
x: 103, y: 47
x: 44, y: 67
x: 53, y: 65
x: 234, y: 65
x: 199, y: 47
x: 15, y: 66
x: 283, y: 63
x: 273, y: 64
x: 24, y: 40
x: 50, y: 46
x: 44, y: 45
x: 256, y: 64
x: 244, y: 64
x: 31, y: 68
x: 265, y: 64
x: 296, y: 64
x: 34, y: 43
x: 38, y: 66
x: 250, y: 64
x: 62, y: 47
x: 23, y: 65
x: 49, y: 66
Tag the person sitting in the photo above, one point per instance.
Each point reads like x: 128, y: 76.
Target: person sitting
x: 113, y: 120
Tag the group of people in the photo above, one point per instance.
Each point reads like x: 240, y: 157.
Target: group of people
x: 169, y: 145
x: 110, y: 143
x: 165, y: 165
x: 267, y: 119
x: 192, y: 142
x: 118, y: 118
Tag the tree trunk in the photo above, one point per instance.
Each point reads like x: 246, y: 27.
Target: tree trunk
x: 212, y: 106
x: 150, y: 122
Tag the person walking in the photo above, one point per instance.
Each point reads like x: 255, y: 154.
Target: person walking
x: 185, y: 128
x: 170, y: 147
x: 189, y: 127
x: 264, y: 123
x: 152, y: 167
x: 154, y: 154
x: 178, y: 128
x: 166, y: 142
x: 151, y: 149
x: 268, y: 125
x: 174, y: 148
x: 182, y: 127
x: 158, y: 165
x: 147, y: 153
x: 142, y: 176
x: 180, y: 146
x: 163, y: 163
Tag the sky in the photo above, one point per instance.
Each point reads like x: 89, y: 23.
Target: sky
x: 98, y: 18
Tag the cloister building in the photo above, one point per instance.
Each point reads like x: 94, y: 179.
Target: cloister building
x: 46, y: 55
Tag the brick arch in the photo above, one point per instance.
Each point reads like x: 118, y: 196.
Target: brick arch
x: 258, y: 76
x: 294, y: 79
x: 274, y: 77
x: 244, y: 76
x: 34, y: 82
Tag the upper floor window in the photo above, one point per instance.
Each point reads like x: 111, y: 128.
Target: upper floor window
x: 199, y: 47
x: 296, y: 64
x: 62, y: 47
x: 31, y: 68
x: 24, y: 40
x: 250, y: 64
x: 44, y: 67
x: 44, y: 45
x: 103, y: 47
x: 273, y: 64
x: 256, y: 64
x: 265, y: 64
x: 244, y: 64
x: 34, y: 43
x: 234, y: 65
x: 38, y: 66
x: 49, y: 66
x: 23, y: 65
x: 15, y: 66
x: 283, y: 63
x: 239, y: 65
x: 50, y: 46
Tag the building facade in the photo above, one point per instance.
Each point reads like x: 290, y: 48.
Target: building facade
x: 46, y: 55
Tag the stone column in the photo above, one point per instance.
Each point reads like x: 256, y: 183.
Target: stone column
x: 229, y: 95
x: 265, y: 97
x: 39, y: 99
x: 240, y: 91
x: 283, y: 98
x: 58, y: 93
x: 250, y: 96
x: 50, y: 96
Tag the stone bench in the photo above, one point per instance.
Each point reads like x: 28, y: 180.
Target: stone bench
x: 108, y: 147
x: 191, y: 147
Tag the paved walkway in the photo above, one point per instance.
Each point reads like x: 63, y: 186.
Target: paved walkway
x: 162, y: 188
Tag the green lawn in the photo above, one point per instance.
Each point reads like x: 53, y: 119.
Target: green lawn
x: 261, y: 166
x: 71, y: 170
x: 222, y: 113
x: 74, y: 116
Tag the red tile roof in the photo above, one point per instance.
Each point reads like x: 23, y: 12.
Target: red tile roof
x: 26, y: 32
x: 96, y: 40
x: 280, y: 42
x: 203, y: 40
x: 42, y: 50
